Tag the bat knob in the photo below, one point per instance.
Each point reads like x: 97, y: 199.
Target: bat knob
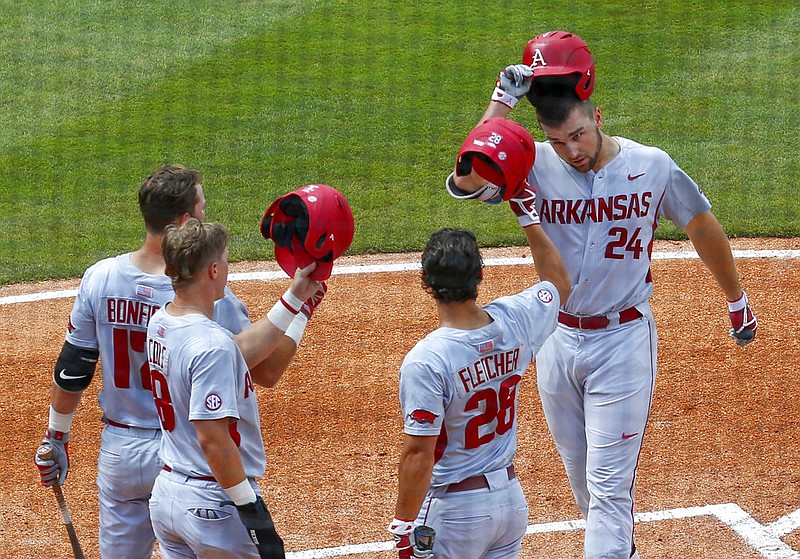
x: 45, y: 452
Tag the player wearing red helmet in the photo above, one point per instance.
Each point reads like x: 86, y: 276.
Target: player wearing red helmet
x: 600, y: 198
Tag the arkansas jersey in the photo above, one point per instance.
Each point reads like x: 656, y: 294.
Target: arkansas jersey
x: 462, y: 385
x: 114, y: 304
x: 603, y: 223
x: 199, y: 373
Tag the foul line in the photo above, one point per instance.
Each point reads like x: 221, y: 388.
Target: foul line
x: 404, y: 267
x: 763, y: 539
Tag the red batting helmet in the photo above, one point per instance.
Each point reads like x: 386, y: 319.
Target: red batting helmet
x: 561, y: 55
x: 501, y: 151
x: 311, y: 224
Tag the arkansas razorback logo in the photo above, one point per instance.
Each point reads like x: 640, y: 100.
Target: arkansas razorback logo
x: 423, y: 416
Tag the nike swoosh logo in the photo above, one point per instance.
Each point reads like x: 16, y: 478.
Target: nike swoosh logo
x: 634, y: 177
x: 628, y: 435
x: 62, y: 374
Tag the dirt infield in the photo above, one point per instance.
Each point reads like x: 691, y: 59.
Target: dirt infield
x: 724, y: 427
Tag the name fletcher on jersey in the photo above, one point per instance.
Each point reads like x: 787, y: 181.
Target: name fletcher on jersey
x: 488, y: 368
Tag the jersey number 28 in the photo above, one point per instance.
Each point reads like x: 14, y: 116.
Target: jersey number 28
x: 499, y: 406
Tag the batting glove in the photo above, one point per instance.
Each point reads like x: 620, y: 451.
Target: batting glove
x: 314, y: 301
x: 401, y: 530
x: 53, y: 471
x: 256, y: 518
x: 512, y: 84
x: 743, y: 321
x: 524, y: 207
x: 489, y: 193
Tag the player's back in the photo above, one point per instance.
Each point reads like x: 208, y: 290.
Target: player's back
x: 112, y: 309
x: 462, y: 385
x: 199, y: 373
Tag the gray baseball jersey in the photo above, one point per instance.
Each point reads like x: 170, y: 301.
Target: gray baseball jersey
x: 114, y: 304
x: 596, y: 385
x: 199, y: 373
x: 462, y: 385
x: 603, y: 223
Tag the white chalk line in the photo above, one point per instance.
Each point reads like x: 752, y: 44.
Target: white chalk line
x: 764, y: 539
x: 404, y: 267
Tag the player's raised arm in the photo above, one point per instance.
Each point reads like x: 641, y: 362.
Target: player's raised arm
x: 493, y: 166
x: 258, y: 341
x: 512, y: 84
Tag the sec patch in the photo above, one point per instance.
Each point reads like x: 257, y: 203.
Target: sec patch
x: 545, y: 296
x: 213, y: 402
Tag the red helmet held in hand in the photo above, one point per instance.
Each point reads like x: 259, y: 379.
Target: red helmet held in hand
x: 311, y: 224
x: 501, y: 151
x: 561, y: 62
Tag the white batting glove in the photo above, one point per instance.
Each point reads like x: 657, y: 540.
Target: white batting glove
x: 54, y: 468
x: 402, y: 530
x: 512, y: 84
x: 489, y: 193
x: 524, y: 207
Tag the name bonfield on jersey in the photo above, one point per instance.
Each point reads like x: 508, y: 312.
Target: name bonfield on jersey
x: 120, y: 310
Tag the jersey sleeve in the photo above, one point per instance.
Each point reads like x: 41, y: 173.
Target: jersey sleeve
x: 683, y: 199
x: 213, y: 383
x: 536, y: 311
x: 421, y: 398
x: 81, y: 330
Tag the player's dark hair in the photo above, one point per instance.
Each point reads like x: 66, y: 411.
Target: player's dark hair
x: 452, y: 266
x: 553, y: 110
x: 167, y: 194
x: 545, y: 87
x: 190, y: 247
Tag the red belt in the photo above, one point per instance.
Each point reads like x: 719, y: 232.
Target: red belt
x: 123, y: 426
x: 477, y: 482
x: 204, y: 478
x: 596, y: 322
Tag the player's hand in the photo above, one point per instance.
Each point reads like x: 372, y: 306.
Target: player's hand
x: 258, y: 521
x: 303, y: 286
x: 53, y: 471
x: 314, y: 301
x: 401, y: 530
x: 524, y: 207
x: 512, y: 84
x: 743, y: 321
x: 489, y: 193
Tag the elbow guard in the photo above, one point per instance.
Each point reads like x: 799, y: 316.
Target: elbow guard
x: 75, y: 367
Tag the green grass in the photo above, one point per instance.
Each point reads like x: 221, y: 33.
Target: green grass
x: 372, y: 97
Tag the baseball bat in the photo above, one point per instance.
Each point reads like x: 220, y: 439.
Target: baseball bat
x: 46, y: 453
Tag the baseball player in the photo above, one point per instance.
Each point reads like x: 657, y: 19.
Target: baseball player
x: 115, y: 300
x: 203, y: 385
x: 459, y: 385
x: 212, y: 447
x: 600, y: 198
